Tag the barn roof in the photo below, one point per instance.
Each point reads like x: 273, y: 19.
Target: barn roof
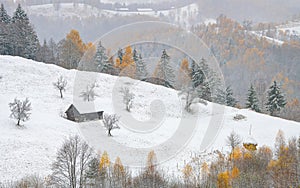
x: 86, y: 107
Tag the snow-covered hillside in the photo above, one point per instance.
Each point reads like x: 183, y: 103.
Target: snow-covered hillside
x: 185, y: 16
x: 31, y: 149
x: 293, y: 27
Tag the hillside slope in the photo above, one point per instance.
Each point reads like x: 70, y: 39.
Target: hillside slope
x: 156, y: 121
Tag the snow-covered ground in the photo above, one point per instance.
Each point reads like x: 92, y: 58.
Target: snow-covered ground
x: 293, y: 27
x: 156, y: 121
x: 259, y: 35
x: 185, y: 16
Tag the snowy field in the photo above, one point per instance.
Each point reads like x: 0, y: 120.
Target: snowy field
x: 156, y: 121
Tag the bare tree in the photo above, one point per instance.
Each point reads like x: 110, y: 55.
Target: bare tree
x: 71, y: 163
x: 127, y: 98
x: 191, y: 96
x: 61, y: 84
x: 247, y: 24
x: 110, y: 122
x: 89, y: 94
x: 20, y: 110
x: 233, y: 140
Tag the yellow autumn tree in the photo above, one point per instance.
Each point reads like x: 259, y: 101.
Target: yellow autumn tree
x: 72, y: 50
x: 87, y: 61
x: 223, y: 180
x: 119, y: 170
x: 236, y: 154
x: 76, y: 39
x: 184, y: 74
x: 104, y: 161
x: 187, y: 172
x: 235, y: 172
x: 151, y: 162
x: 127, y: 64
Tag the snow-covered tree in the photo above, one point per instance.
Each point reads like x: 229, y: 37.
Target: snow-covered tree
x: 201, y: 81
x: 89, y: 94
x: 102, y: 60
x: 252, y: 101
x: 110, y: 122
x: 225, y: 97
x: 44, y: 54
x: 25, y: 40
x: 20, y: 110
x: 120, y: 55
x: 70, y: 54
x: 191, y: 95
x: 141, y: 70
x: 127, y: 98
x: 233, y: 140
x: 54, y: 53
x: 276, y: 100
x: 197, y: 75
x: 230, y: 100
x: 5, y: 33
x: 4, y: 17
x: 61, y: 84
x: 92, y: 172
x: 164, y: 70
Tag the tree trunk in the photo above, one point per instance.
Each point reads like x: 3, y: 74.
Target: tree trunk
x: 61, y: 95
x: 18, y: 122
x: 109, y: 134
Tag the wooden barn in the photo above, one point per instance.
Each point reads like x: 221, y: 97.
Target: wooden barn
x: 80, y: 115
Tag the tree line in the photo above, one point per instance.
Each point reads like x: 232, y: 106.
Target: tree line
x: 77, y: 166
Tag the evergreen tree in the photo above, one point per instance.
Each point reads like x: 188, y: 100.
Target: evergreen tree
x: 120, y: 55
x: 53, y: 49
x: 225, y: 97
x: 92, y: 172
x: 199, y: 79
x: 220, y: 96
x: 141, y: 70
x: 197, y: 75
x: 135, y: 55
x: 102, y: 60
x: 25, y: 39
x: 252, y: 101
x: 276, y: 100
x: 4, y: 17
x: 44, y: 53
x: 164, y: 70
x: 230, y: 100
x: 5, y: 34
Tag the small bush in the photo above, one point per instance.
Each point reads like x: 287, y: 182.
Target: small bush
x: 238, y: 117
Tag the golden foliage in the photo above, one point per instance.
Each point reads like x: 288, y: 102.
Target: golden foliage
x: 76, y: 39
x: 236, y: 154
x: 224, y: 180
x: 250, y: 146
x: 127, y: 65
x: 187, y: 171
x: 184, y: 74
x: 235, y: 172
x: 247, y: 155
x: 104, y: 161
x: 118, y: 167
